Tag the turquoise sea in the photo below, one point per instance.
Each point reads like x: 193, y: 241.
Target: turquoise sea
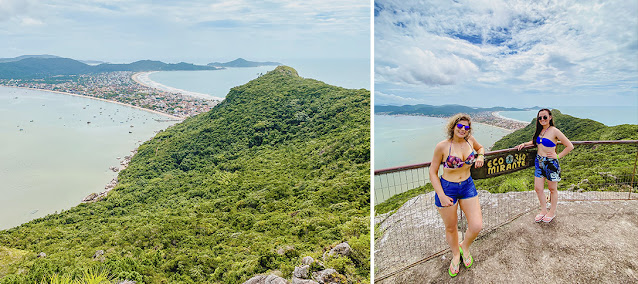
x: 406, y: 140
x: 347, y: 73
x: 56, y: 149
x: 608, y: 115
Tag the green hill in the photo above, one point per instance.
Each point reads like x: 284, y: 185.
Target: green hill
x: 279, y: 170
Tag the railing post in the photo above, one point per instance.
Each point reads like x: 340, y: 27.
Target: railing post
x: 633, y: 174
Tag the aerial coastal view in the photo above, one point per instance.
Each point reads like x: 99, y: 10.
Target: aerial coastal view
x: 139, y: 146
x: 503, y: 133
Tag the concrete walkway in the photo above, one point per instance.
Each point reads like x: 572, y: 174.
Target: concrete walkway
x: 588, y: 242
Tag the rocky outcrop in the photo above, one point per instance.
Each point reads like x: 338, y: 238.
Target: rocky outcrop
x: 342, y: 249
x: 99, y: 255
x: 93, y: 197
x: 307, y: 260
x: 266, y: 279
x: 328, y: 276
x: 302, y: 271
x: 296, y: 280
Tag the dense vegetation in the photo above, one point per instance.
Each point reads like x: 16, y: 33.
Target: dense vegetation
x: 587, y: 167
x: 430, y: 110
x: 44, y: 67
x: 277, y: 171
x: 240, y: 62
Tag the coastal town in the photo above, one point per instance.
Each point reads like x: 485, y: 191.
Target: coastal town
x: 121, y: 88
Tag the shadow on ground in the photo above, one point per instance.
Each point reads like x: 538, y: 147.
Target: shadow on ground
x: 588, y: 242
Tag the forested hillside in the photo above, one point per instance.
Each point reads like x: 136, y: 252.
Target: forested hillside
x: 278, y: 171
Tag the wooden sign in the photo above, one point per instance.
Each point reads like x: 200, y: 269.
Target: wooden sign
x: 505, y: 162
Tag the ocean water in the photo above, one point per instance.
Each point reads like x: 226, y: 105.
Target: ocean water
x: 347, y: 73
x: 216, y: 83
x: 51, y: 157
x: 608, y: 115
x: 406, y: 140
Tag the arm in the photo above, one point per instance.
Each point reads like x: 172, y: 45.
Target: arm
x: 480, y: 150
x: 434, y: 175
x: 568, y: 144
x: 523, y: 145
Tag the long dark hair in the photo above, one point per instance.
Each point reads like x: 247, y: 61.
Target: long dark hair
x: 539, y: 127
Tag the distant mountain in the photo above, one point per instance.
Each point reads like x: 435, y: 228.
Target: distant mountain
x: 240, y: 62
x: 444, y: 110
x: 3, y: 60
x: 37, y: 67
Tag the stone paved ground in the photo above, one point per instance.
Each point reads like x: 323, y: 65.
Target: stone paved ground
x: 588, y: 242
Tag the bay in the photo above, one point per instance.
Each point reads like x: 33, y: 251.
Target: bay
x: 56, y: 149
x: 406, y: 140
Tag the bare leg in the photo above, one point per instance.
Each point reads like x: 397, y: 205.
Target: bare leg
x: 472, y: 209
x: 539, y: 187
x: 553, y: 193
x: 450, y: 219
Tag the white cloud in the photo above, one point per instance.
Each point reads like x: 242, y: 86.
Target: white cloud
x: 13, y: 8
x: 190, y: 30
x: 552, y: 47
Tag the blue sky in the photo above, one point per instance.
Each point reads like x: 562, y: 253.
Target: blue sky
x: 121, y: 31
x: 506, y: 53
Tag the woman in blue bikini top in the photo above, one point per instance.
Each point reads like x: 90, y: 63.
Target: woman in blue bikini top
x: 547, y: 167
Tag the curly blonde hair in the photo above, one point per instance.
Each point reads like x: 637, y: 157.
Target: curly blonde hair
x: 454, y: 120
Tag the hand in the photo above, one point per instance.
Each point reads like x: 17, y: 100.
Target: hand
x: 446, y: 201
x: 520, y: 146
x: 552, y: 155
x: 479, y: 162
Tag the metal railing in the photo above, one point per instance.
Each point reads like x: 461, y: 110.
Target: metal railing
x: 414, y: 233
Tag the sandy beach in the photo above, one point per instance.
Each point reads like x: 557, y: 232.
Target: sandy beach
x: 498, y: 115
x: 99, y: 99
x: 143, y: 79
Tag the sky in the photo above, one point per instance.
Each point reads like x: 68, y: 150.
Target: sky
x: 487, y: 53
x: 123, y: 31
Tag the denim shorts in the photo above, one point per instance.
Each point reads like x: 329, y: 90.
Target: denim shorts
x: 547, y: 168
x: 456, y: 190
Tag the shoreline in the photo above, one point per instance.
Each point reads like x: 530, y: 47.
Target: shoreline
x: 143, y: 79
x: 497, y: 114
x: 100, y: 99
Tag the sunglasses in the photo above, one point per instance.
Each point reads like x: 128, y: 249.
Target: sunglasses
x: 459, y: 126
x: 544, y: 117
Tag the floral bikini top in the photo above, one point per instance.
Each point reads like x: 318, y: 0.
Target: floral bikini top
x: 455, y: 162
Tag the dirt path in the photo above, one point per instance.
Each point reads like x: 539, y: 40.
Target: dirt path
x: 588, y: 242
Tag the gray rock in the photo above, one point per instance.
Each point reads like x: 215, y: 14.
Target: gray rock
x: 302, y: 271
x: 42, y: 255
x: 326, y: 276
x: 266, y: 279
x: 296, y: 280
x: 307, y: 260
x: 127, y: 282
x: 98, y: 253
x: 342, y: 249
